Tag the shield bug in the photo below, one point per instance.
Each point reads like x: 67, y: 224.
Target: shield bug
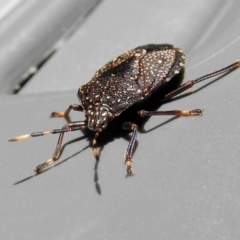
x: 129, y: 79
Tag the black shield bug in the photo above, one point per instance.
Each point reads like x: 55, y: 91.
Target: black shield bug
x: 126, y: 80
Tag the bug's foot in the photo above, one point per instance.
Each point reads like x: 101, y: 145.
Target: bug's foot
x: 57, y: 114
x: 95, y: 153
x: 238, y: 62
x: 40, y: 167
x: 196, y: 112
x: 193, y: 112
x: 129, y: 167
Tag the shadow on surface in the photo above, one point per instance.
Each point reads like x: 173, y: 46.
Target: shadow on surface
x: 57, y: 163
x: 97, y: 185
x: 114, y: 130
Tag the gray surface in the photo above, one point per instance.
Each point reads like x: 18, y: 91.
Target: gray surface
x: 33, y: 31
x: 187, y: 170
x: 116, y: 27
x: 6, y: 7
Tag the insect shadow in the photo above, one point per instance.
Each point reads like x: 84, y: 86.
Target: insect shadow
x: 59, y: 162
x: 114, y: 130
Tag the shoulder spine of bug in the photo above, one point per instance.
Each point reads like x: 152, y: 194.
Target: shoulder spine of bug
x: 128, y: 79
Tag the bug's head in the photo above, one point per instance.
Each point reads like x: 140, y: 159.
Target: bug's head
x: 98, y: 117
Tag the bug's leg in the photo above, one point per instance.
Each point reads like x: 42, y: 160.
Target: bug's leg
x: 129, y: 152
x: 182, y: 113
x: 190, y: 83
x: 74, y: 107
x: 94, y: 147
x: 73, y: 126
x: 94, y: 144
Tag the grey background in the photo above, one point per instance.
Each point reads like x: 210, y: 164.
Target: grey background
x: 187, y: 170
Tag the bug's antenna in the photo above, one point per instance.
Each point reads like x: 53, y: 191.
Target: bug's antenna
x: 36, y: 134
x: 73, y: 126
